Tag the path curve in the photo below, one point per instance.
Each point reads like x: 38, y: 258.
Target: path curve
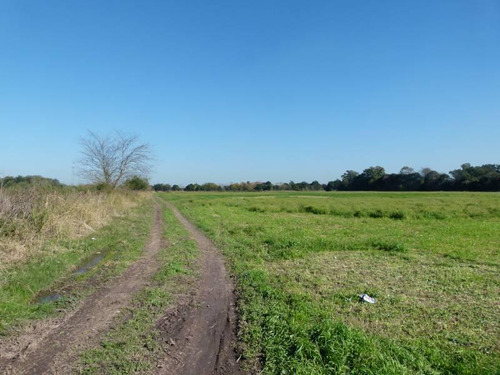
x: 52, y: 352
x: 202, y: 335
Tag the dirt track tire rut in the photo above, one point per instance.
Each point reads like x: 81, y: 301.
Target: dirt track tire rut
x: 202, y: 335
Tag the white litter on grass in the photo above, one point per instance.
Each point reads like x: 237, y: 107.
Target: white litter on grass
x: 367, y: 298
x: 93, y: 238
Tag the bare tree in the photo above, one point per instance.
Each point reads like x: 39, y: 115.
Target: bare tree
x: 113, y: 158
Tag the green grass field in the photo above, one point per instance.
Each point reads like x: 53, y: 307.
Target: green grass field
x: 301, y: 260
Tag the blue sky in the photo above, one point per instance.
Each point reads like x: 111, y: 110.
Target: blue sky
x: 227, y: 91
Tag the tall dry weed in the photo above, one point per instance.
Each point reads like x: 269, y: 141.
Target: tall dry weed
x: 30, y: 217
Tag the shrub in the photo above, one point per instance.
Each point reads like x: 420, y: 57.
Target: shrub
x: 137, y: 183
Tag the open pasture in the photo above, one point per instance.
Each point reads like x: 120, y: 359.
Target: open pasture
x: 301, y: 260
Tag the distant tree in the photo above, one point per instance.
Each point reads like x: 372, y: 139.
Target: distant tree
x: 248, y: 186
x: 434, y: 181
x: 348, y: 178
x: 371, y: 178
x: 285, y: 186
x: 264, y: 186
x: 485, y: 177
x: 410, y: 180
x: 374, y: 173
x: 332, y: 185
x: 301, y: 186
x: 234, y: 187
x: 406, y: 170
x: 391, y: 182
x: 426, y: 171
x: 114, y: 158
x: 463, y: 176
x: 176, y: 188
x: 315, y: 186
x: 192, y: 187
x: 162, y: 187
x: 209, y: 186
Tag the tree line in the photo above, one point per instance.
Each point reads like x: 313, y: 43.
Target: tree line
x: 467, y: 178
x: 121, y: 160
x: 242, y: 186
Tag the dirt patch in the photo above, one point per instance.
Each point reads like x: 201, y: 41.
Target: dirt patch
x: 200, y: 334
x: 50, y: 346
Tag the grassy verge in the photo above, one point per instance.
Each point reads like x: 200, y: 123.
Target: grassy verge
x: 53, y: 269
x: 133, y: 345
x: 302, y: 260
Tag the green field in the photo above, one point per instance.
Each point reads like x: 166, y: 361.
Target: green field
x: 301, y: 260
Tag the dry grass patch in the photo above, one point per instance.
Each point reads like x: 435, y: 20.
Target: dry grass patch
x: 30, y: 217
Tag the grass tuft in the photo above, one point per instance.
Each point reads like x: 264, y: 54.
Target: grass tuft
x: 388, y: 246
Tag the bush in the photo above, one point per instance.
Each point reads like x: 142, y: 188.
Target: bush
x: 137, y: 183
x: 103, y: 186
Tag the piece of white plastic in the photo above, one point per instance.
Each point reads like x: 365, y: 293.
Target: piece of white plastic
x: 367, y: 298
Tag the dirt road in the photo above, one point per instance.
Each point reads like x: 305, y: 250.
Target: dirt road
x: 202, y: 335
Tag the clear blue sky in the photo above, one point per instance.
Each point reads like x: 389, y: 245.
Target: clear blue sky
x: 227, y: 91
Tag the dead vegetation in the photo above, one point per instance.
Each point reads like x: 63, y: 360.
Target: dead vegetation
x: 32, y: 216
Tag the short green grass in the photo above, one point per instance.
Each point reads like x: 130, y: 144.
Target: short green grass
x: 52, y: 271
x: 133, y: 345
x: 301, y: 260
